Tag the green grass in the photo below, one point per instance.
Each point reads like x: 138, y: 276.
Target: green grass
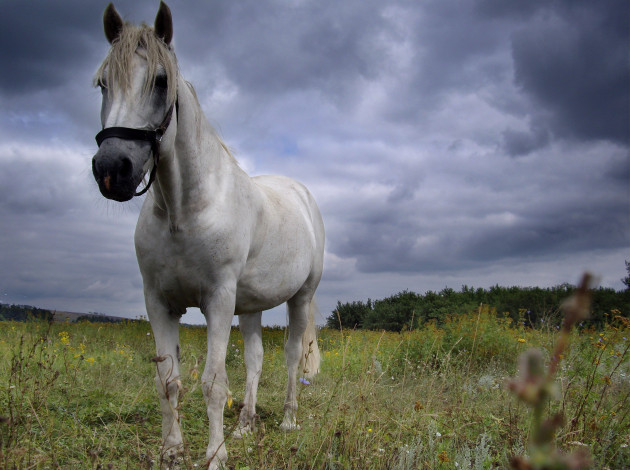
x: 82, y: 396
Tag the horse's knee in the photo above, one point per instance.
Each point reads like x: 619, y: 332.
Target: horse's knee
x: 215, y: 386
x: 168, y: 389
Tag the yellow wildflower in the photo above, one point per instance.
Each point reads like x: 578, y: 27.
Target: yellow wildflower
x: 64, y: 337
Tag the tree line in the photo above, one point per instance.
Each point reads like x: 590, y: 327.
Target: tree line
x: 531, y: 305
x: 24, y: 313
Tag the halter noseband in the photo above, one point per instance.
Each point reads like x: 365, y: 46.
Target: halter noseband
x: 154, y: 137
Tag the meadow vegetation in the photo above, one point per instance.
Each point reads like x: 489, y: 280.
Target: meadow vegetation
x: 81, y: 395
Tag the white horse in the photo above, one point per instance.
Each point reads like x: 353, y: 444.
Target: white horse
x: 208, y: 235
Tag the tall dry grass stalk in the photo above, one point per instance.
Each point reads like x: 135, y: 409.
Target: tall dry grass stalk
x: 537, y: 387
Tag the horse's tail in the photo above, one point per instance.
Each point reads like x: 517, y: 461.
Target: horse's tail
x: 310, y: 360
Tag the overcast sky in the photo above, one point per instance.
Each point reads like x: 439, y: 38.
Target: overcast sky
x: 448, y: 142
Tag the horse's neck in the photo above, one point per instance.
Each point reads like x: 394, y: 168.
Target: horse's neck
x: 196, y: 168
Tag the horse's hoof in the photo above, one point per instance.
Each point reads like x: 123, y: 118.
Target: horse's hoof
x: 172, y: 462
x: 172, y: 465
x: 288, y: 426
x: 218, y: 459
x: 214, y: 465
x: 242, y: 431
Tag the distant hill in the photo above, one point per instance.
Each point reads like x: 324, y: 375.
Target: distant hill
x: 73, y: 317
x: 28, y: 312
x: 66, y: 316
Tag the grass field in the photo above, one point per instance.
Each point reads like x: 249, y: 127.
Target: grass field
x: 82, y: 396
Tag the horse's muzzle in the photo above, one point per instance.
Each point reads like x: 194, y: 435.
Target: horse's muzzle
x: 118, y: 169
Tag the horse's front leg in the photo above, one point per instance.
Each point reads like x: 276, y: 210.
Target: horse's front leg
x: 250, y: 325
x: 165, y: 327
x: 219, y: 311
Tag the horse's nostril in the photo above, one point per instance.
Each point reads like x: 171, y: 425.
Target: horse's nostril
x: 94, y: 166
x: 125, y: 168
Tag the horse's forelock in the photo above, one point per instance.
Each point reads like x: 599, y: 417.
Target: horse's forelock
x: 115, y: 69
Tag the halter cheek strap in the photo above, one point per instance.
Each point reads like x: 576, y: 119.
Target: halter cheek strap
x: 154, y: 137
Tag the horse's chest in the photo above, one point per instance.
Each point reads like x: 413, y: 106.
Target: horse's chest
x: 181, y: 268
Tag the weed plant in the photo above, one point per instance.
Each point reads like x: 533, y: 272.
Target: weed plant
x: 82, y: 395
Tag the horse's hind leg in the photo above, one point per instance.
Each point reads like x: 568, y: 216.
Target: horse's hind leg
x: 250, y: 325
x: 298, y: 308
x: 166, y: 333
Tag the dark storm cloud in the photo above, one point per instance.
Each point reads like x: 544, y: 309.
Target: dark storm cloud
x: 42, y: 43
x: 447, y: 52
x: 268, y: 50
x: 399, y: 116
x: 301, y: 47
x: 488, y: 212
x: 518, y: 143
x: 573, y: 62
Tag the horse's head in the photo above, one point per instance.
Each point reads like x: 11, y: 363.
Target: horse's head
x: 138, y: 80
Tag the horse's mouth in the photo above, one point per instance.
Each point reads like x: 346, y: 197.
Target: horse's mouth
x: 113, y: 189
x: 118, y: 168
x: 115, y: 194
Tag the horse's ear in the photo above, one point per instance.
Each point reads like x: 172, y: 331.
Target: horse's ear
x: 164, y: 23
x: 112, y: 22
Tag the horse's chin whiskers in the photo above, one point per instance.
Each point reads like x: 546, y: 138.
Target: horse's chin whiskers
x: 114, y: 208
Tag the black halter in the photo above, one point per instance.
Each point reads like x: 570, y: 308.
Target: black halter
x: 154, y: 137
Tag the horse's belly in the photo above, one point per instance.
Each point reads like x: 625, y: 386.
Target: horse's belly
x: 250, y: 299
x: 270, y: 285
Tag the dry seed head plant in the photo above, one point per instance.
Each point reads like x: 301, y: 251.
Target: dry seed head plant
x: 536, y: 386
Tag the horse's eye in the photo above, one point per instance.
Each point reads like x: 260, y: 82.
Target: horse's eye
x: 161, y: 82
